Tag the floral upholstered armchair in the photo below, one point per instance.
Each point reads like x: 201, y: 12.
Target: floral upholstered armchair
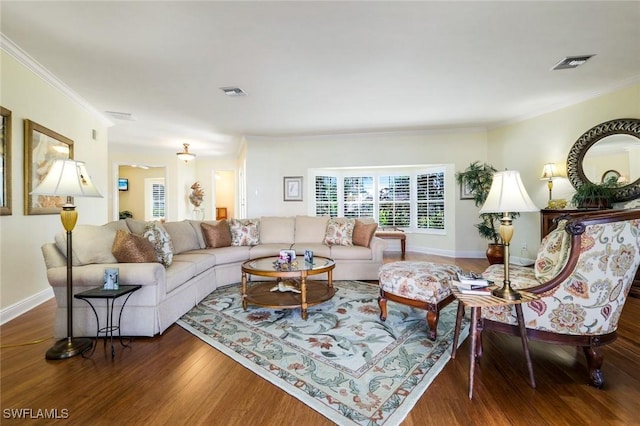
x: 583, y: 273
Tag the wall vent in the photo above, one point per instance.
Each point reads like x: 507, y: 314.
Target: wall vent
x: 572, y: 62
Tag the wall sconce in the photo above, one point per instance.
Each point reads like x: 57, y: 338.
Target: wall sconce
x: 549, y: 172
x: 185, y: 155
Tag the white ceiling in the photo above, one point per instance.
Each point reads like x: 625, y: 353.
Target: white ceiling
x: 323, y: 67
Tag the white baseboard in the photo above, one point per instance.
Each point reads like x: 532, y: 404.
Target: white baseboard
x: 25, y: 305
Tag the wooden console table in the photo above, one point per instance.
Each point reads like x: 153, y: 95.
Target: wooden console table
x: 547, y: 224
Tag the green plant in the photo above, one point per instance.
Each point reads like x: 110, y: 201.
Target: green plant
x: 478, y: 178
x: 595, y: 195
x: 125, y: 214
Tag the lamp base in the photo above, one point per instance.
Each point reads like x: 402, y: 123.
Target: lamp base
x: 69, y: 347
x: 506, y: 293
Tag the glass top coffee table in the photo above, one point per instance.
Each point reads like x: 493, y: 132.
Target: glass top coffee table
x: 291, y: 289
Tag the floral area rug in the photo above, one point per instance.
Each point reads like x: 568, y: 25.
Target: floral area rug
x: 343, y: 362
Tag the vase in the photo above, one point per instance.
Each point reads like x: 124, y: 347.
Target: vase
x: 495, y: 253
x: 197, y: 214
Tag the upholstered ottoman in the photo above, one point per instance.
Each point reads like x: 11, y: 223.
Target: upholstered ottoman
x: 423, y: 285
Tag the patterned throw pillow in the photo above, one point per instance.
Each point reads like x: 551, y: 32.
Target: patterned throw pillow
x: 132, y: 248
x: 244, y: 232
x: 161, y: 241
x: 339, y: 232
x: 363, y: 233
x: 553, y: 253
x: 217, y: 234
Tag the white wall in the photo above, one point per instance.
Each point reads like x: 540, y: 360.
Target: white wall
x: 23, y: 274
x: 526, y: 146
x: 271, y: 159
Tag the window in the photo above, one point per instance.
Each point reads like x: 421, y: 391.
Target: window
x: 409, y: 197
x: 154, y: 205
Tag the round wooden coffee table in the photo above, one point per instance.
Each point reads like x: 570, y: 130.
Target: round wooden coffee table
x: 291, y: 289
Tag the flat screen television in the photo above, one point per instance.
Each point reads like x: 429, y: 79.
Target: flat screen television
x: 123, y: 184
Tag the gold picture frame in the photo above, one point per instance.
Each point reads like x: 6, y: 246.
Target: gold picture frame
x: 41, y: 148
x: 5, y: 162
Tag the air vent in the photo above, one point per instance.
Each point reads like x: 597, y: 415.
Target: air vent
x: 125, y: 116
x: 233, y: 91
x: 572, y: 62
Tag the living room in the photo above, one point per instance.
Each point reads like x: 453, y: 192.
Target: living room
x: 33, y: 92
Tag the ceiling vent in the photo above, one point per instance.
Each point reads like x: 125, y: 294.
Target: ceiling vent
x: 125, y: 116
x: 233, y: 91
x: 572, y: 62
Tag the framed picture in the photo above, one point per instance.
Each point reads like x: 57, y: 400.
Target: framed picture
x: 293, y: 188
x: 5, y: 162
x: 610, y: 174
x: 465, y: 192
x: 110, y: 280
x: 123, y: 184
x: 41, y: 148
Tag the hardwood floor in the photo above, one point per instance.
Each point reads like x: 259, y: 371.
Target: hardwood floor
x: 177, y: 379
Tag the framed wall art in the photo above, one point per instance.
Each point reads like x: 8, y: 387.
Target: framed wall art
x: 465, y: 192
x: 293, y: 188
x: 5, y: 162
x: 41, y: 148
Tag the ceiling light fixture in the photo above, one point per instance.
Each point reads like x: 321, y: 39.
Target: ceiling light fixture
x: 572, y: 62
x: 233, y: 91
x: 185, y: 155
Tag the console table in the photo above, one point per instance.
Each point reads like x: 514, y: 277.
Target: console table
x: 547, y: 224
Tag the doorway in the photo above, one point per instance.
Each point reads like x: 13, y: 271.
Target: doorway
x: 145, y: 196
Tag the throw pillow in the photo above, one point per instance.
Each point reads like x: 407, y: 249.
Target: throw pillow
x: 132, y: 248
x: 244, y: 232
x: 339, y: 232
x: 161, y: 241
x: 216, y: 235
x: 363, y: 233
x: 553, y: 253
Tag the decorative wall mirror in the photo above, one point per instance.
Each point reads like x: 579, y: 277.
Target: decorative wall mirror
x: 608, y: 149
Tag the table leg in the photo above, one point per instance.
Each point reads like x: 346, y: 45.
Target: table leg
x: 456, y: 333
x: 475, y: 314
x: 525, y: 343
x: 244, y: 291
x: 303, y: 298
x: 110, y: 326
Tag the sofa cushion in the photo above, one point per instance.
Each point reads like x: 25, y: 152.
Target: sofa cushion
x: 91, y: 244
x: 202, y: 261
x: 350, y: 253
x: 553, y: 253
x: 132, y: 248
x: 310, y: 229
x: 363, y: 233
x: 179, y: 273
x: 245, y: 232
x: 136, y: 226
x: 227, y: 255
x: 277, y: 230
x: 183, y: 236
x: 339, y: 232
x: 161, y: 241
x: 216, y: 234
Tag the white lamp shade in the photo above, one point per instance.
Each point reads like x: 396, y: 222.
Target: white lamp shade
x: 549, y: 172
x: 507, y: 194
x: 67, y: 178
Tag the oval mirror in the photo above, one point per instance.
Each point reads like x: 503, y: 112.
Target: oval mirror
x: 608, y: 152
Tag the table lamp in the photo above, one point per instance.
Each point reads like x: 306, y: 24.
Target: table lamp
x: 68, y: 178
x: 507, y: 195
x: 549, y: 172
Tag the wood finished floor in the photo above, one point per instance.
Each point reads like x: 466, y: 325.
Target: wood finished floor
x: 177, y: 379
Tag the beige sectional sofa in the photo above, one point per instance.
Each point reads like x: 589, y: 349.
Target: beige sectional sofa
x: 195, y: 271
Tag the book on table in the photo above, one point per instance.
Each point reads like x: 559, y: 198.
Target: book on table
x: 473, y: 281
x: 479, y: 291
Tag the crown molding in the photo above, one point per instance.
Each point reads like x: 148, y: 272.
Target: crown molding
x: 8, y: 46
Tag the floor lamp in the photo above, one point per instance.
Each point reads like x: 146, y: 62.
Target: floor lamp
x: 507, y: 195
x: 68, y: 178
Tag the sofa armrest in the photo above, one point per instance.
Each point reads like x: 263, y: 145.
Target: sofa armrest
x: 377, y: 246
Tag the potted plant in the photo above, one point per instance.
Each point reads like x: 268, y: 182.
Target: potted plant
x: 591, y: 195
x: 478, y: 178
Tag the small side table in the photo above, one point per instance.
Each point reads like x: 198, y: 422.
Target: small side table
x: 394, y: 235
x: 476, y: 303
x: 110, y: 296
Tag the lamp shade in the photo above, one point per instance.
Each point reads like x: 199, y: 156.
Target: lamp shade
x: 185, y: 155
x: 67, y: 178
x: 549, y: 172
x: 507, y: 194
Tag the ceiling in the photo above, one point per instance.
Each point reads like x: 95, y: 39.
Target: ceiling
x: 317, y: 67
